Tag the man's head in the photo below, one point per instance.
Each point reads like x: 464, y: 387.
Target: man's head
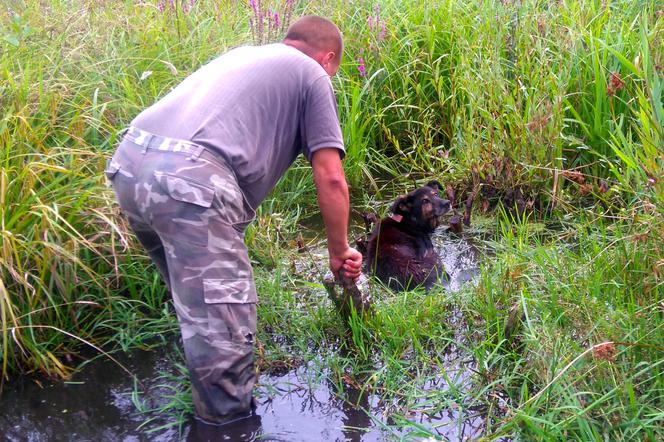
x: 319, y: 38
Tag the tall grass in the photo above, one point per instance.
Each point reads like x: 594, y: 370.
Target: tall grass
x: 69, y: 84
x: 453, y: 87
x: 590, y: 345
x: 560, y: 100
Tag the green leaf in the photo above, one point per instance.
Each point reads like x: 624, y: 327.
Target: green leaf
x: 12, y: 40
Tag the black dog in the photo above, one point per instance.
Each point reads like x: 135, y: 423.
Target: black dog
x: 400, y: 252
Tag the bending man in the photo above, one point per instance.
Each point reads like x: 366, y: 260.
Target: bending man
x: 193, y: 167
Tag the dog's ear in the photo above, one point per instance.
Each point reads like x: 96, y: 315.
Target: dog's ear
x: 434, y: 185
x: 401, y: 206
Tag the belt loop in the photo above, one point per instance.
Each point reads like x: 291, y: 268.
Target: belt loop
x: 196, y: 153
x: 146, y: 143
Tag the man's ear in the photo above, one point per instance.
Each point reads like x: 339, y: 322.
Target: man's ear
x: 328, y: 58
x: 401, y: 206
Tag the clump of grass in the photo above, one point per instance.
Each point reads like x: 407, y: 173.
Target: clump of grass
x: 546, y: 92
x: 589, y: 360
x: 69, y: 84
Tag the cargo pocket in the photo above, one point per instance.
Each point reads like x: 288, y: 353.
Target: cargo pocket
x: 177, y: 207
x: 185, y: 189
x: 229, y: 291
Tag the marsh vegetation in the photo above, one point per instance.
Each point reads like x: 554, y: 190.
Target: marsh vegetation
x: 545, y: 115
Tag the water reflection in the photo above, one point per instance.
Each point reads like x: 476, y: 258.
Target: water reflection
x: 300, y: 414
x: 459, y: 256
x: 295, y: 407
x: 248, y: 429
x: 95, y: 405
x: 356, y: 420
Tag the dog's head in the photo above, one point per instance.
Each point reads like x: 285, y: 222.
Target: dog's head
x: 422, y: 208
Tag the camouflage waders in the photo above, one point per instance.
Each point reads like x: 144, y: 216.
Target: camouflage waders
x: 187, y: 210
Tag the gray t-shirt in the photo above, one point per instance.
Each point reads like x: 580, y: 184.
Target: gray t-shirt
x: 258, y: 107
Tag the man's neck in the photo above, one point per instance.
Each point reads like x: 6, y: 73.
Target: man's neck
x: 300, y: 46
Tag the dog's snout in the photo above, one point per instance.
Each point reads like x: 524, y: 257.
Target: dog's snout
x: 444, y: 206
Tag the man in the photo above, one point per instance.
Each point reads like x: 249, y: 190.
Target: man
x: 193, y: 167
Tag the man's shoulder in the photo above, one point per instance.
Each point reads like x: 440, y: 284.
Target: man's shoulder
x: 294, y: 59
x: 267, y: 51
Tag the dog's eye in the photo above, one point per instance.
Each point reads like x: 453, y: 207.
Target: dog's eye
x: 425, y: 201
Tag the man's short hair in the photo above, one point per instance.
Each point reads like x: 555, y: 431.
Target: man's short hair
x: 317, y: 33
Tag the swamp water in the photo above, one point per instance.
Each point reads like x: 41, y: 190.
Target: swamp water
x: 96, y: 404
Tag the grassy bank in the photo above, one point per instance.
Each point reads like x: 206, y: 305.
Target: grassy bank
x: 552, y: 108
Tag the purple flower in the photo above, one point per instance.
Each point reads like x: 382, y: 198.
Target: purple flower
x: 383, y: 31
x: 361, y: 67
x: 276, y: 20
x: 370, y: 22
x: 161, y: 6
x: 185, y: 8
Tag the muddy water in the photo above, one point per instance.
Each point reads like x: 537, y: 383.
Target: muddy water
x: 96, y: 404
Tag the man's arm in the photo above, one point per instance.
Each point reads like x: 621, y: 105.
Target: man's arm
x: 334, y: 207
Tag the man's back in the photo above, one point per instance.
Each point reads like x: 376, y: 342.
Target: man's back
x: 258, y: 107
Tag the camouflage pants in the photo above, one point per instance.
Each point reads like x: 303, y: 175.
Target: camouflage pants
x: 186, y: 208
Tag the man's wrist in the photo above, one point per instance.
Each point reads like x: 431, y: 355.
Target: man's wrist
x: 337, y: 249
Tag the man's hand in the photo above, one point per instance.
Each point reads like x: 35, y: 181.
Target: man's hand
x: 348, y: 264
